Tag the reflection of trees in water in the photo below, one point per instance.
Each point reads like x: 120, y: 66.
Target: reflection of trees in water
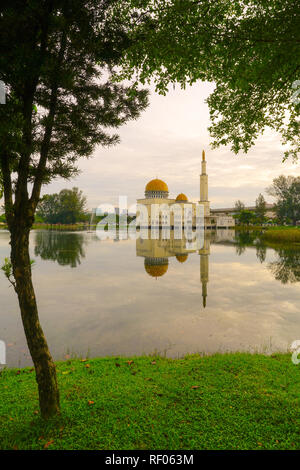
x: 261, y: 252
x: 287, y: 266
x: 245, y: 239
x: 65, y: 248
x: 242, y: 240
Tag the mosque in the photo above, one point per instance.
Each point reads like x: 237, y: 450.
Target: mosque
x: 157, y: 193
x: 157, y: 251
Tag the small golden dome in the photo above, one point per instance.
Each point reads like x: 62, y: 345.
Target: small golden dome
x: 157, y: 185
x: 181, y: 258
x: 181, y: 197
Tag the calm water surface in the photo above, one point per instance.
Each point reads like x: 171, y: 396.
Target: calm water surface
x: 131, y: 297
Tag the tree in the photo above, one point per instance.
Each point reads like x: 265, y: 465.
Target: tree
x: 72, y: 206
x: 245, y: 217
x: 58, y: 61
x: 67, y: 207
x: 249, y: 49
x: 260, y: 209
x: 239, y: 206
x: 1, y: 185
x: 47, y: 208
x: 286, y: 191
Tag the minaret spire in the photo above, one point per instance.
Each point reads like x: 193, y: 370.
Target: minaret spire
x: 203, y: 180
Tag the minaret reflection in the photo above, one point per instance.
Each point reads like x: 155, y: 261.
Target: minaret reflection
x: 204, y: 266
x: 157, y: 251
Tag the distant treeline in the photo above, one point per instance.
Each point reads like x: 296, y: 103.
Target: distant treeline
x: 67, y: 207
x: 286, y: 191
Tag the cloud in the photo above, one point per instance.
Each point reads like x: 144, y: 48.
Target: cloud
x: 166, y: 142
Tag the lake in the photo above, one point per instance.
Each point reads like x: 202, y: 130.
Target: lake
x: 132, y: 297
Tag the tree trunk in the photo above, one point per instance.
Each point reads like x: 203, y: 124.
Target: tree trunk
x: 37, y: 344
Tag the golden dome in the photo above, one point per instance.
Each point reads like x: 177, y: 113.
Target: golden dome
x: 181, y: 258
x: 181, y: 197
x: 156, y: 270
x: 157, y: 185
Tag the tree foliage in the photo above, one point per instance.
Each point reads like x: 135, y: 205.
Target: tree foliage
x: 286, y: 191
x: 245, y: 217
x: 1, y: 185
x: 249, y: 49
x: 239, y: 205
x: 61, y: 99
x: 260, y: 209
x: 66, y: 207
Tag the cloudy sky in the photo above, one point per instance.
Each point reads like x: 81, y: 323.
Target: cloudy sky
x: 166, y: 142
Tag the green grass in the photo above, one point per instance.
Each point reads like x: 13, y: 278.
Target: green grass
x: 59, y: 227
x: 282, y: 235
x: 242, y: 401
x: 279, y: 234
x: 63, y: 227
x: 246, y: 228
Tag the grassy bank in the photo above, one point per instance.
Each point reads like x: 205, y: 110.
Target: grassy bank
x: 230, y: 401
x: 64, y: 227
x: 252, y: 228
x: 282, y: 235
x: 57, y: 227
x: 60, y: 227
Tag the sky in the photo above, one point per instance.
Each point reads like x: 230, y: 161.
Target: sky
x: 166, y: 142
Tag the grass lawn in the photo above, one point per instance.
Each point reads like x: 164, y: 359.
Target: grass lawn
x: 224, y: 401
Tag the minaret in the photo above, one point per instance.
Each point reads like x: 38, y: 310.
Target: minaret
x: 203, y: 180
x: 204, y: 189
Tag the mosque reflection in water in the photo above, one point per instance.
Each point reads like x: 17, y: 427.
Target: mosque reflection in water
x: 157, y: 251
x: 69, y: 249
